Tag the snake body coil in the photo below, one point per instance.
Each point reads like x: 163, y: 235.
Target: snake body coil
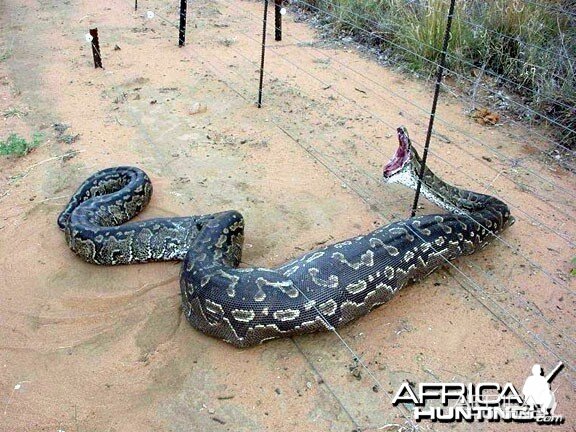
x: 320, y: 290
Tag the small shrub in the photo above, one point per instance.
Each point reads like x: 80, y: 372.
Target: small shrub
x: 18, y: 146
x: 13, y: 112
x: 5, y: 55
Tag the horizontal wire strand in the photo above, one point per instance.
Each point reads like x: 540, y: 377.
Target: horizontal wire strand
x: 558, y: 10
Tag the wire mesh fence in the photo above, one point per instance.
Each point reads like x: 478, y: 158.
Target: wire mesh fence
x: 536, y: 328
x: 515, y: 46
x: 520, y: 92
x: 520, y: 104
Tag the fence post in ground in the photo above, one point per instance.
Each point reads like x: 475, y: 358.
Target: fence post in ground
x: 264, y: 21
x: 182, y: 27
x: 278, y: 20
x: 439, y: 75
x: 95, y: 42
x: 135, y: 5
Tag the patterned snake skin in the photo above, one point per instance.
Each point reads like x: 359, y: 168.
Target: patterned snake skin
x: 320, y: 290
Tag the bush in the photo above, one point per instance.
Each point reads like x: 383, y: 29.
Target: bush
x: 18, y: 146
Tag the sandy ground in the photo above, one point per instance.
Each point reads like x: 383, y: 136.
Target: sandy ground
x: 87, y: 348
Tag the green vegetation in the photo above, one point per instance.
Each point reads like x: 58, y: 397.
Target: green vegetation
x: 531, y: 45
x: 18, y: 146
x: 13, y: 112
x: 5, y: 55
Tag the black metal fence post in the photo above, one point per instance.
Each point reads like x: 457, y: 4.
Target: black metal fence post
x: 96, y: 48
x: 440, y: 73
x: 278, y: 20
x: 264, y: 21
x: 182, y: 28
x: 135, y: 5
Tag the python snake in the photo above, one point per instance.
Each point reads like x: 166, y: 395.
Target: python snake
x: 320, y: 290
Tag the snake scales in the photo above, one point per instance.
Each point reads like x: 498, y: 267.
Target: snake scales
x: 320, y: 290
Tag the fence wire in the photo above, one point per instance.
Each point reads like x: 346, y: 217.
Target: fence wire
x: 286, y: 59
x: 468, y: 283
x: 557, y: 280
x: 452, y: 72
x: 476, y: 288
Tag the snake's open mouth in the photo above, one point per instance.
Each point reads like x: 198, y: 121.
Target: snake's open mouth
x: 402, y: 155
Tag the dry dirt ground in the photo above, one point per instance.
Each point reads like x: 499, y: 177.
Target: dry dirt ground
x: 88, y: 348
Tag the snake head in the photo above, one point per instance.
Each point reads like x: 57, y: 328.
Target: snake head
x: 402, y: 157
